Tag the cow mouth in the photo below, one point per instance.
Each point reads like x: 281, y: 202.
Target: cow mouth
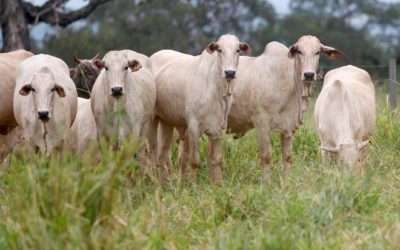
x: 308, y: 80
x: 230, y: 78
x: 44, y: 119
x: 117, y: 95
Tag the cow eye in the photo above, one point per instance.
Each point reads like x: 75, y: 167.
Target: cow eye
x: 238, y: 51
x: 126, y: 68
x: 318, y: 53
x: 105, y: 67
x: 53, y: 89
x: 219, y: 50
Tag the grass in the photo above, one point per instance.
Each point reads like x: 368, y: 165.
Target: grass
x: 76, y: 202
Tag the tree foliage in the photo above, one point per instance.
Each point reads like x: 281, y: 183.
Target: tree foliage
x: 148, y: 26
x: 364, y: 30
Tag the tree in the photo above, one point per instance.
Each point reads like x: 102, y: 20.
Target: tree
x: 148, y: 26
x: 16, y: 15
x: 374, y: 20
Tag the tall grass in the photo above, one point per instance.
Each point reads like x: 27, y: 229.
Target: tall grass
x: 81, y: 202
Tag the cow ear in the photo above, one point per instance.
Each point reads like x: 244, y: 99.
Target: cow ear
x: 330, y: 150
x: 60, y: 90
x: 332, y: 53
x: 245, y: 48
x: 212, y: 47
x: 25, y: 90
x: 77, y: 60
x: 98, y: 64
x: 293, y: 50
x: 134, y: 65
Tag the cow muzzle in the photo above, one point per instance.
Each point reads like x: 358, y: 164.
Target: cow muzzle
x: 43, y: 116
x: 117, y: 91
x: 309, y: 76
x: 230, y: 74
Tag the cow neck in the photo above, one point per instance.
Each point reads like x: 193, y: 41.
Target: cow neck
x: 302, y: 93
x: 222, y: 89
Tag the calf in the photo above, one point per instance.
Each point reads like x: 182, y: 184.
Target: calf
x: 83, y: 129
x: 345, y: 115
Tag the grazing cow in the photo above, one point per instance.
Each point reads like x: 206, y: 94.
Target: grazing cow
x: 345, y: 115
x: 8, y: 67
x: 123, y: 95
x: 83, y: 129
x: 273, y: 91
x: 194, y: 96
x: 45, y: 102
x: 84, y: 75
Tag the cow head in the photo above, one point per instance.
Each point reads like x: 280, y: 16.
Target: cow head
x: 116, y: 69
x: 306, y: 53
x: 229, y: 49
x: 43, y: 89
x: 350, y: 154
x: 85, y: 74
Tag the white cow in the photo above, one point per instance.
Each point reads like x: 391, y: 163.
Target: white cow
x: 272, y: 92
x: 123, y: 95
x: 84, y: 131
x: 162, y: 57
x: 10, y: 135
x: 158, y: 60
x: 45, y: 102
x: 345, y: 115
x: 194, y: 94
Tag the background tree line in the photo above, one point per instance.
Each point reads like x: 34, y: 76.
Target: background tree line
x: 366, y: 30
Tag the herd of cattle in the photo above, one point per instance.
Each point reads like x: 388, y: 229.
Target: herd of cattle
x: 171, y: 94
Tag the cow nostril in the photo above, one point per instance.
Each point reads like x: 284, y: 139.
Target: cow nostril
x: 309, y: 75
x: 116, y: 91
x: 43, y: 115
x: 230, y: 73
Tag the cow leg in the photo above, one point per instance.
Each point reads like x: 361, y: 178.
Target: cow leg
x: 4, y: 148
x: 175, y: 138
x: 183, y: 158
x: 193, y: 140
x: 214, y: 159
x: 362, y: 161
x: 11, y: 142
x: 152, y: 141
x: 325, y: 157
x: 286, y: 142
x: 264, y: 142
x: 260, y: 122
x: 166, y: 132
x: 138, y: 131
